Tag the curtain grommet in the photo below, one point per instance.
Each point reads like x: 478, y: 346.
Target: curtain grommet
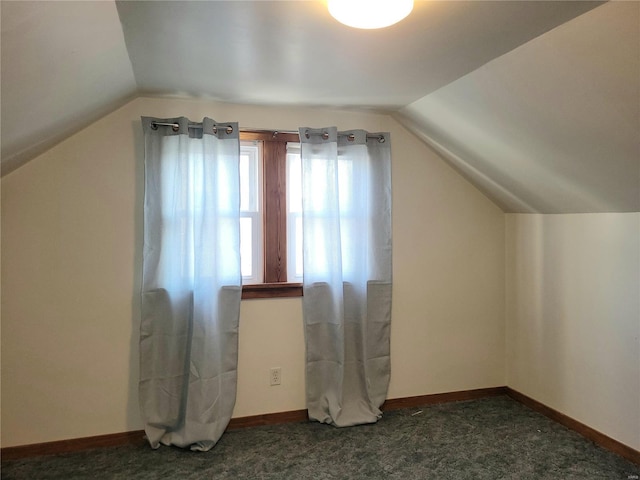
x: 228, y: 130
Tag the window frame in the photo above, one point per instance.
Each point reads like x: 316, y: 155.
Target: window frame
x: 274, y: 248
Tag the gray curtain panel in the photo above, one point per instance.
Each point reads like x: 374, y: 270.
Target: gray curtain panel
x: 346, y: 202
x: 191, y: 285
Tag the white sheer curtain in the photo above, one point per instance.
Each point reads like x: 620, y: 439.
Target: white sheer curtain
x: 191, y: 281
x: 346, y: 202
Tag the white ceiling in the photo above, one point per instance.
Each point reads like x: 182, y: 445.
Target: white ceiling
x: 498, y: 69
x: 293, y: 52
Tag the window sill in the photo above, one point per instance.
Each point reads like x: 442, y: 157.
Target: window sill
x: 271, y: 290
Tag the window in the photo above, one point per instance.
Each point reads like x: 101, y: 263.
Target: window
x: 271, y: 215
x: 251, y: 212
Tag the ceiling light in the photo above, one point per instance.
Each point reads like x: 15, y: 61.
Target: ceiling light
x: 369, y: 13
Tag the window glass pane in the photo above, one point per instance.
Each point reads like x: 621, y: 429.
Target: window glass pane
x: 294, y: 213
x: 294, y: 180
x: 298, y: 248
x: 250, y: 171
x: 251, y: 212
x: 245, y: 184
x: 246, y: 247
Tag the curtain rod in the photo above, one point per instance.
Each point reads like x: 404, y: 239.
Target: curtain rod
x: 195, y: 126
x: 198, y: 126
x: 325, y: 135
x: 350, y: 136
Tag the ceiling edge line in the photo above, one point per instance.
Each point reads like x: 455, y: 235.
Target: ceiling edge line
x: 462, y: 166
x: 16, y: 160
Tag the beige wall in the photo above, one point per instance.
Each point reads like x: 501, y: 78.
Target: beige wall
x: 71, y: 251
x: 573, y: 316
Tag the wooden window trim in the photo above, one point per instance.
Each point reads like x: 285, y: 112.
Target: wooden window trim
x: 269, y: 136
x: 271, y: 290
x: 274, y: 148
x: 275, y: 211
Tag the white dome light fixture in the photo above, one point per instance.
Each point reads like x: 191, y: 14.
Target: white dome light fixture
x: 369, y: 14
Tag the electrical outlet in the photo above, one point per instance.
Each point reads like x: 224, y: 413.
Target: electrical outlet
x: 275, y: 376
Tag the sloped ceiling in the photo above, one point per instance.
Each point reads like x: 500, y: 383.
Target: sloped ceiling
x: 552, y: 126
x: 64, y: 64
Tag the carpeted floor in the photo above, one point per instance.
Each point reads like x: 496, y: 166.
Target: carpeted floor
x: 493, y: 438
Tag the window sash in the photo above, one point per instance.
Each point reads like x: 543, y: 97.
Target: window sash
x: 251, y: 212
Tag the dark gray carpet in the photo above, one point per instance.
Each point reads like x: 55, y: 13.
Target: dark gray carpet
x: 493, y: 438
